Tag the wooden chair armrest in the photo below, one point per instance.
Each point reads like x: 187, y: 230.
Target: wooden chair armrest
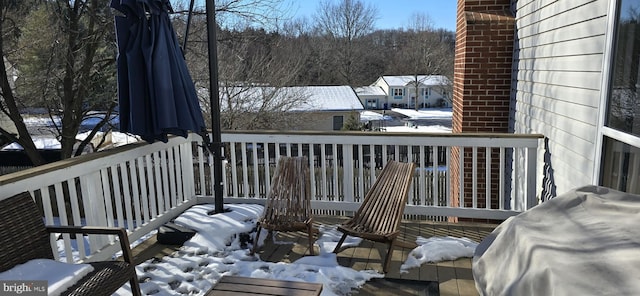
x: 120, y: 232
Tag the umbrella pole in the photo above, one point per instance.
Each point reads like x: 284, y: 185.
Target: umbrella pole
x: 214, y: 100
x: 186, y: 32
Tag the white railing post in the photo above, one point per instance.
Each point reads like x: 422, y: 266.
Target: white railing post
x: 347, y: 173
x: 94, y: 205
x: 188, y: 177
x: 532, y: 160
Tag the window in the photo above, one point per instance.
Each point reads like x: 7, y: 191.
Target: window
x: 623, y: 108
x: 621, y: 166
x: 372, y: 104
x: 338, y: 121
x: 621, y: 132
x: 398, y: 92
x: 426, y: 92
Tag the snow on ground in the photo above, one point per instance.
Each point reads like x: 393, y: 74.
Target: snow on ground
x: 221, y: 247
x: 218, y: 249
x: 371, y: 116
x: 429, y: 120
x: 40, y: 142
x: 419, y: 129
x: 428, y: 113
x: 115, y: 139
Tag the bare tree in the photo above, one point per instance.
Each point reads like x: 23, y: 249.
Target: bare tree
x: 424, y: 53
x: 253, y: 80
x: 240, y: 14
x: 253, y: 65
x: 345, y: 24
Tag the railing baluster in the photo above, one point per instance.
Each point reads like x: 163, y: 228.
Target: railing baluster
x: 182, y: 180
x: 245, y: 172
x: 234, y: 170
x: 361, y: 165
x: 75, y: 211
x: 126, y: 195
x: 461, y: 157
x: 152, y: 185
x: 201, y: 175
x: 487, y: 185
x: 104, y: 177
x: 347, y: 172
x: 135, y: 195
x: 166, y: 196
x: 267, y: 167
x: 94, y: 208
x: 161, y: 184
x: 385, y: 155
x: 501, y: 179
x: 448, y: 180
x: 474, y: 174
x: 312, y: 171
x: 62, y: 216
x: 117, y: 194
x: 256, y: 170
x: 324, y: 172
x: 172, y: 178
x: 435, y: 175
x: 336, y: 174
x: 144, y: 197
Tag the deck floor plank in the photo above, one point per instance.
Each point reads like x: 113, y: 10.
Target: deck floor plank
x: 454, y: 277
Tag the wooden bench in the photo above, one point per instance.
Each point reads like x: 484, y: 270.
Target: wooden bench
x: 237, y: 286
x: 24, y: 237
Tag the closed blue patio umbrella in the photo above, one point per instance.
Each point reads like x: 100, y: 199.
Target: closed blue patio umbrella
x: 156, y: 94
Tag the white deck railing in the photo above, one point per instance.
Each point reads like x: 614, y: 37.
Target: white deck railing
x: 351, y: 160
x: 141, y: 186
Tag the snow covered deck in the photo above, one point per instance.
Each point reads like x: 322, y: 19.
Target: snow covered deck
x: 454, y: 277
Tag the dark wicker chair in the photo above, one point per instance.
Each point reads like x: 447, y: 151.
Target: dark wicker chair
x: 25, y: 237
x: 379, y: 216
x: 288, y: 206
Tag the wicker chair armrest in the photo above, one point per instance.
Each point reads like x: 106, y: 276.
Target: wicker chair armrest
x: 120, y: 232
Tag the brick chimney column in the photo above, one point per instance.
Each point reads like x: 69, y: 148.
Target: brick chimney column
x: 485, y: 31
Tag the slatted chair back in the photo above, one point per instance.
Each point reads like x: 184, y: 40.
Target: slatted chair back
x: 379, y: 216
x: 289, y: 201
x: 382, y: 208
x: 288, y: 205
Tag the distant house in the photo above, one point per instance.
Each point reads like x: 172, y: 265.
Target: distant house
x: 372, y: 97
x: 401, y: 91
x: 325, y: 108
x: 328, y: 107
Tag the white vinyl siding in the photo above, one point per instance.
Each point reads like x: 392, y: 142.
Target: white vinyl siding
x: 557, y: 81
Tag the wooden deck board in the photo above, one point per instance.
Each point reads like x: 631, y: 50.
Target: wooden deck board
x: 455, y: 277
x: 233, y: 285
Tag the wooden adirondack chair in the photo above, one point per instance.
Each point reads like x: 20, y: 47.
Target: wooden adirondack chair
x: 378, y: 218
x: 288, y: 206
